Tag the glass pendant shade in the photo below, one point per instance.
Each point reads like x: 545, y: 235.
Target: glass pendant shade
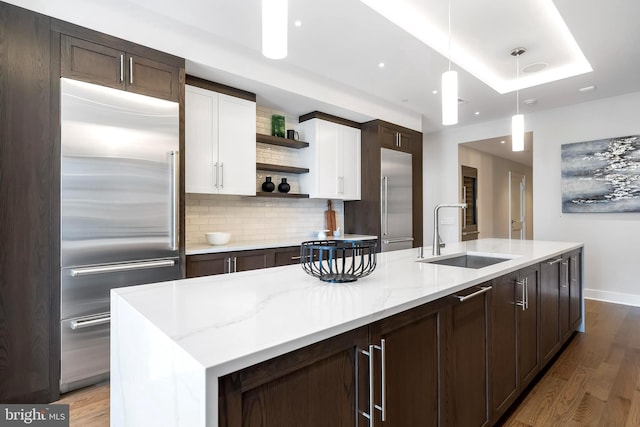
x: 274, y: 28
x: 450, y: 98
x: 517, y: 133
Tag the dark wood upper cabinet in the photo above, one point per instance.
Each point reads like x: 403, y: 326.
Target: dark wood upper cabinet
x: 152, y: 78
x: 114, y: 65
x: 363, y: 216
x: 91, y: 62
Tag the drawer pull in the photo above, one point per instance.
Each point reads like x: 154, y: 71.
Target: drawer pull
x: 475, y: 294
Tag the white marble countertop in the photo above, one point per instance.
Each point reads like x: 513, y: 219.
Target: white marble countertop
x: 231, y: 321
x: 250, y: 245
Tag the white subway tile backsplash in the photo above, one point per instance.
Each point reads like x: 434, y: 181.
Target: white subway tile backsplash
x: 256, y: 218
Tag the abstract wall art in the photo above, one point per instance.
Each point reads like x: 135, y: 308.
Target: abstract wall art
x: 601, y: 175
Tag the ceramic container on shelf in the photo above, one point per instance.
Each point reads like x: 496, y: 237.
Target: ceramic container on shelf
x: 268, y: 186
x: 277, y: 125
x: 284, y: 186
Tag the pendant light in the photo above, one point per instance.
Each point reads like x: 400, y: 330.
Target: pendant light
x: 274, y: 28
x: 517, y: 121
x: 449, y: 88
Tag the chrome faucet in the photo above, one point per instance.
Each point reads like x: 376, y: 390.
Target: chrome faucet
x: 437, y: 242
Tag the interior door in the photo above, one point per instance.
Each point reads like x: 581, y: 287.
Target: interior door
x: 517, y: 183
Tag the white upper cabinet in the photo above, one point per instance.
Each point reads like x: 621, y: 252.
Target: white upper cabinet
x: 333, y: 159
x: 220, y: 143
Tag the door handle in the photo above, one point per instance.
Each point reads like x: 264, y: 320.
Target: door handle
x: 372, y: 405
x: 89, y: 321
x: 385, y: 205
x: 175, y: 194
x: 475, y: 294
x: 113, y: 268
x: 131, y: 70
x: 121, y: 67
x: 398, y: 240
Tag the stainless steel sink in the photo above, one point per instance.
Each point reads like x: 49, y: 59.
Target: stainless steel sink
x: 468, y: 261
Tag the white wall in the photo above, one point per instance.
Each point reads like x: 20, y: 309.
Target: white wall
x: 493, y: 191
x: 610, y: 239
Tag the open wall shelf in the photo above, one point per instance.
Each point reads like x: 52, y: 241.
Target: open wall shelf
x: 282, y: 142
x: 280, y: 168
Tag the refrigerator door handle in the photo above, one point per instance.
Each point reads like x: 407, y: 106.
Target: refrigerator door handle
x: 174, y: 157
x: 385, y: 203
x: 89, y: 321
x: 398, y: 240
x: 85, y: 271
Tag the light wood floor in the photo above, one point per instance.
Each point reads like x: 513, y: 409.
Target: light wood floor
x: 594, y: 382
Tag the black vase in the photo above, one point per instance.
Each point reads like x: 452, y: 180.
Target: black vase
x: 268, y: 186
x: 284, y: 186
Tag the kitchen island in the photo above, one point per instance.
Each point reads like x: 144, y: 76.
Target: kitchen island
x: 173, y: 342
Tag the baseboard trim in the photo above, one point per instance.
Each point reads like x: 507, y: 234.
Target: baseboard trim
x: 614, y: 297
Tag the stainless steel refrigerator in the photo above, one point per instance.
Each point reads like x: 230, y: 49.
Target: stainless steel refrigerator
x: 396, y: 207
x: 119, y: 213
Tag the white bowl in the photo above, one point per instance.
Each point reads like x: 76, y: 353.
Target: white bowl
x: 218, y: 238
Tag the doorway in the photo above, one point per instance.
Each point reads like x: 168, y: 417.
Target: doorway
x: 517, y: 208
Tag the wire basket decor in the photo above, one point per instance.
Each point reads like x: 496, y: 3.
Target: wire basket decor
x: 338, y: 261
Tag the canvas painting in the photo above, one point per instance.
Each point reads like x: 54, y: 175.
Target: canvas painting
x: 601, y: 175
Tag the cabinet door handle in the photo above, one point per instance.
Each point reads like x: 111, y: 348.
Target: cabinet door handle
x: 221, y: 175
x: 121, y: 67
x: 522, y: 303
x: 555, y: 261
x: 526, y: 293
x: 235, y: 264
x: 482, y: 290
x: 372, y: 406
x: 228, y: 265
x: 131, y: 70
x: 565, y: 284
x: 385, y: 205
x: 215, y: 175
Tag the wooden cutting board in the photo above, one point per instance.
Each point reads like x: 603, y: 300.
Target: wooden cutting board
x: 330, y: 218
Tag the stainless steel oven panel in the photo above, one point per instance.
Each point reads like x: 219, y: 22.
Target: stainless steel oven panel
x: 84, y: 351
x: 85, y: 290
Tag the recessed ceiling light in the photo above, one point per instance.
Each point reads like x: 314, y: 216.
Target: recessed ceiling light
x: 535, y: 67
x: 503, y: 141
x: 381, y: 65
x: 435, y: 92
x: 477, y: 113
x: 587, y: 88
x: 530, y: 101
x: 297, y: 23
x: 417, y: 19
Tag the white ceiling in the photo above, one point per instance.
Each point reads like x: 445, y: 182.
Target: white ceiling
x: 341, y: 43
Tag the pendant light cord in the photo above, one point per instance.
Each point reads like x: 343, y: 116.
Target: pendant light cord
x: 449, y: 19
x: 517, y: 79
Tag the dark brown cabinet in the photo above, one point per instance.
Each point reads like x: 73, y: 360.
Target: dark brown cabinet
x: 514, y: 332
x: 29, y: 258
x: 227, y: 262
x: 322, y: 385
x: 114, y: 67
x: 413, y: 348
x: 468, y: 358
x: 461, y: 360
x: 570, y: 294
x: 397, y: 139
x: 363, y: 216
x: 286, y: 256
x: 550, y: 274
